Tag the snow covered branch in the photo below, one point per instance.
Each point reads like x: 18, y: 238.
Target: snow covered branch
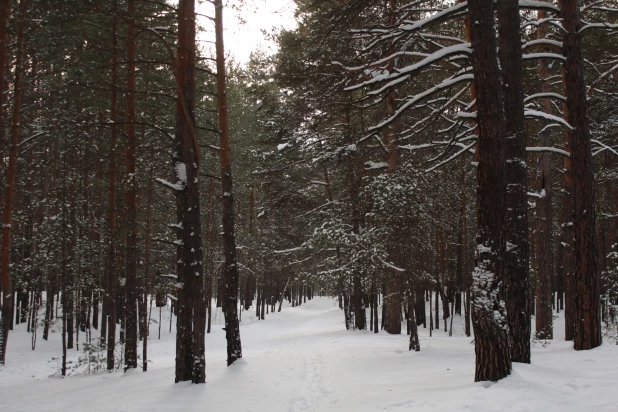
x: 535, y: 114
x: 174, y: 186
x: 548, y: 149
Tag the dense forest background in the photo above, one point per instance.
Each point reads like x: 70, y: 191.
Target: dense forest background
x: 367, y: 165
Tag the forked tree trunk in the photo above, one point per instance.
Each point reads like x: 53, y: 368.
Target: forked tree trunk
x: 585, y: 287
x: 493, y: 360
x: 517, y: 255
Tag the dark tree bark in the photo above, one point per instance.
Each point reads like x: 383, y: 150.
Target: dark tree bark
x: 414, y: 343
x: 430, y: 314
x: 131, y: 195
x: 419, y: 307
x: 460, y: 248
x: 70, y: 285
x: 566, y: 264
x: 544, y: 226
x: 7, y: 214
x: 6, y: 286
x: 5, y: 11
x: 98, y: 213
x: 110, y: 304
x: 191, y: 317
x: 566, y: 261
x: 493, y: 360
x: 65, y: 280
x: 232, y: 328
x: 392, y: 298
x: 467, y: 309
x: 360, y: 319
x: 145, y: 320
x: 585, y: 287
x: 392, y: 286
x: 516, y: 259
x: 374, y: 294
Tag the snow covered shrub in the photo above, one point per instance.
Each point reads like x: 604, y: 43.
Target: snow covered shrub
x: 94, y: 359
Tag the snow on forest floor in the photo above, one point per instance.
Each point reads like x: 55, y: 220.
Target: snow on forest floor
x: 303, y: 359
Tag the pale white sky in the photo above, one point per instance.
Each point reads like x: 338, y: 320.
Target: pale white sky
x: 242, y: 38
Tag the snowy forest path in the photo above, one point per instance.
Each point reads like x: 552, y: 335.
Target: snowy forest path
x: 302, y: 359
x: 313, y: 391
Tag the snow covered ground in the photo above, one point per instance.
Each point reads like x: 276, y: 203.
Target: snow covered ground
x: 303, y: 359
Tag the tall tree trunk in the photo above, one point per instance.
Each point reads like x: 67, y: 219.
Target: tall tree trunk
x: 566, y: 267
x: 516, y: 259
x: 392, y: 290
x: 130, y: 197
x: 191, y: 315
x: 5, y: 11
x: 109, y: 310
x: 66, y: 285
x: 460, y: 248
x: 419, y: 306
x: 585, y: 288
x: 545, y: 256
x: 71, y: 287
x: 493, y: 360
x: 7, y: 215
x: 145, y: 320
x: 414, y: 343
x: 567, y: 263
x: 212, y: 242
x: 232, y: 330
x: 96, y: 216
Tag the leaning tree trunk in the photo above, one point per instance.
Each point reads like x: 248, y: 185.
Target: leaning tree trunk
x: 585, y: 288
x: 131, y: 196
x: 517, y: 256
x: 7, y: 215
x: 191, y: 317
x: 232, y: 329
x: 493, y: 360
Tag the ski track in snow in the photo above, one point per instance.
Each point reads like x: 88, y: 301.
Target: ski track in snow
x: 302, y: 359
x: 313, y: 390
